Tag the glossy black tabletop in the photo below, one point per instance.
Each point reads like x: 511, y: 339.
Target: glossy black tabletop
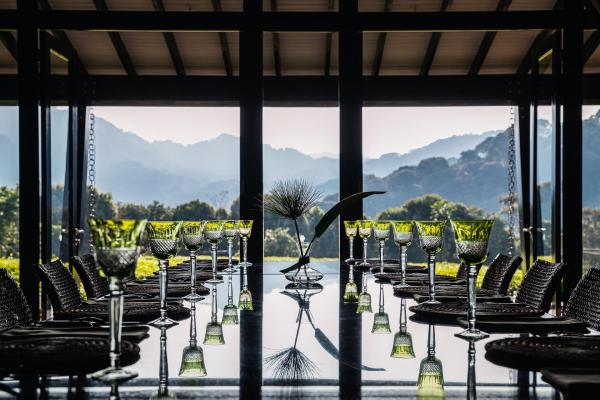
x: 347, y: 360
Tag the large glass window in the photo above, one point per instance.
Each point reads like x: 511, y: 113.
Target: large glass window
x: 591, y: 192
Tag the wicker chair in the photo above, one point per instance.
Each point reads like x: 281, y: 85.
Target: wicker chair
x: 498, y: 276
x: 14, y: 310
x: 95, y: 285
x: 540, y: 283
x: 584, y: 303
x: 60, y: 285
x: 463, y: 271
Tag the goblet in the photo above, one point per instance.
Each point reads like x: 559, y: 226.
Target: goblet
x: 403, y: 345
x: 431, y: 235
x: 163, y: 240
x: 192, y: 360
x: 403, y: 235
x: 192, y: 236
x: 431, y: 376
x: 472, y: 239
x: 214, y: 330
x: 365, y: 227
x: 245, y: 302
x: 381, y: 321
x: 351, y: 228
x: 230, y: 232
x: 381, y: 231
x: 213, y: 231
x: 230, y: 311
x: 351, y: 290
x: 116, y: 244
x: 364, y: 298
x: 245, y: 228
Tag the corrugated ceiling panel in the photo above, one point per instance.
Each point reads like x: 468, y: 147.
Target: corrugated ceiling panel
x: 473, y: 5
x: 593, y: 64
x: 455, y: 53
x: 268, y: 60
x: 8, y: 4
x: 304, y: 5
x: 79, y: 5
x: 146, y: 5
x: 531, y: 5
x: 302, y: 53
x: 234, y: 48
x: 148, y: 52
x: 507, y: 51
x: 97, y: 52
x: 202, y: 5
x: 404, y: 5
x: 201, y: 53
x: 403, y: 53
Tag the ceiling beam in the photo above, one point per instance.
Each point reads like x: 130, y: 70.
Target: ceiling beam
x: 224, y: 43
x: 117, y: 41
x: 64, y: 39
x: 387, y: 7
x: 486, y: 42
x: 171, y: 42
x: 434, y: 41
x: 9, y: 41
x: 590, y: 46
x: 294, y: 21
x: 276, y: 50
x: 328, y: 43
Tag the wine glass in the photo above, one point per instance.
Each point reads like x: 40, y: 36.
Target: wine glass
x: 403, y: 235
x: 471, y: 379
x: 351, y: 290
x: 381, y: 321
x: 163, y: 369
x: 214, y: 330
x: 364, y: 298
x: 245, y: 301
x: 213, y: 231
x: 230, y: 232
x: 403, y: 345
x: 351, y: 228
x: 381, y: 231
x: 192, y: 360
x: 230, y: 311
x: 472, y: 239
x: 116, y: 244
x: 163, y: 241
x: 431, y: 376
x: 192, y: 236
x: 365, y: 227
x: 245, y: 228
x: 431, y: 235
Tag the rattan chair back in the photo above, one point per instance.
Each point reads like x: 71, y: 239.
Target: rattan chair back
x: 540, y: 283
x: 584, y: 303
x: 95, y: 285
x: 500, y: 272
x: 14, y: 310
x: 60, y: 285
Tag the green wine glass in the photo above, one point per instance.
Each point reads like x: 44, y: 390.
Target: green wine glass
x: 365, y: 227
x: 381, y: 321
x: 381, y: 231
x: 472, y: 238
x: 403, y: 344
x: 403, y: 236
x: 245, y: 301
x: 230, y: 311
x: 430, y: 384
x: 213, y: 231
x: 245, y: 228
x: 163, y: 238
x: 364, y: 298
x: 192, y: 360
x: 192, y: 236
x: 350, y: 290
x: 231, y: 231
x: 431, y: 235
x: 214, y: 330
x: 117, y: 248
x: 351, y: 229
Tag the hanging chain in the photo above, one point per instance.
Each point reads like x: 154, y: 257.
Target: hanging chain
x: 511, y: 183
x: 92, y: 173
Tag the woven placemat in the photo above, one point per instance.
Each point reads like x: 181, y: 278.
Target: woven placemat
x: 488, y: 310
x: 68, y: 355
x: 139, y: 312
x: 174, y: 289
x: 441, y: 290
x: 536, y: 353
x: 420, y: 298
x: 533, y: 325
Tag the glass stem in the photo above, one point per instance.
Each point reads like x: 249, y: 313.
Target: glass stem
x: 403, y: 262
x: 163, y: 282
x: 229, y: 252
x: 381, y: 299
x: 431, y: 262
x: 471, y: 381
x: 230, y: 290
x: 245, y: 278
x: 245, y: 246
x: 115, y: 315
x: 213, y: 315
x: 351, y: 246
x: 193, y: 341
x: 364, y: 281
x: 471, y: 295
x: 351, y: 274
x: 213, y: 253
x: 381, y: 246
x: 163, y: 384
x: 365, y: 250
x: 193, y: 271
x: 403, y: 315
x: 431, y: 341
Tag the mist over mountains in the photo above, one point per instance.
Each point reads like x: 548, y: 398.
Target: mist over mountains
x: 470, y: 168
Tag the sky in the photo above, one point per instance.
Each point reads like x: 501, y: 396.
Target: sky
x: 315, y: 130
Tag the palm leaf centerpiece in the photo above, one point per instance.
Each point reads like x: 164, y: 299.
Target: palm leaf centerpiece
x: 291, y: 199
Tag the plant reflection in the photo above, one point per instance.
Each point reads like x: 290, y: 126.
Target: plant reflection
x: 192, y: 360
x: 430, y: 384
x: 381, y: 321
x: 403, y: 345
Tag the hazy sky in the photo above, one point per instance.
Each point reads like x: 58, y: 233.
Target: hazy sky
x: 314, y: 130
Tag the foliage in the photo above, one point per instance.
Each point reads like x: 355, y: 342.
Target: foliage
x: 11, y: 265
x: 279, y: 242
x: 291, y: 198
x: 9, y: 221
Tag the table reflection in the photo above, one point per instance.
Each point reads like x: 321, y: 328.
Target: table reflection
x: 192, y: 360
x: 430, y: 384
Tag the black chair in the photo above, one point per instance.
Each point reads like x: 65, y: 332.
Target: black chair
x: 463, y: 272
x: 95, y: 285
x: 584, y: 303
x: 14, y: 310
x: 60, y: 285
x: 540, y: 283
